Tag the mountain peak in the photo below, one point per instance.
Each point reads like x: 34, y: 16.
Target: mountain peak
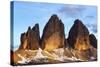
x: 36, y: 27
x: 30, y: 39
x: 79, y: 23
x: 53, y: 34
x: 29, y: 28
x: 54, y: 18
x: 77, y: 20
x: 79, y: 36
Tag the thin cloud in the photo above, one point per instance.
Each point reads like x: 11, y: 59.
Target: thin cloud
x: 92, y: 27
x: 90, y: 17
x: 72, y: 10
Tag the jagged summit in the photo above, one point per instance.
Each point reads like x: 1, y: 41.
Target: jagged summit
x: 54, y: 19
x: 30, y: 39
x: 78, y: 37
x: 77, y: 21
x: 54, y: 16
x: 53, y: 34
x: 36, y: 27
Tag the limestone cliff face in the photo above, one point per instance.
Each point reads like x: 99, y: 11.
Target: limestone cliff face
x: 66, y: 43
x: 53, y: 34
x: 30, y: 39
x: 93, y: 40
x: 79, y: 36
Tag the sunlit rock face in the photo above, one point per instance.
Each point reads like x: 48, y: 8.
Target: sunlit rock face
x: 23, y: 41
x: 30, y: 39
x: 93, y: 40
x: 53, y: 34
x: 78, y: 36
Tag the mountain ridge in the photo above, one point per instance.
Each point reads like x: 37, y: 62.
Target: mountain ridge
x: 53, y: 47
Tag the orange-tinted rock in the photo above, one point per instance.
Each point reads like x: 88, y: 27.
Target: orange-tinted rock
x: 30, y: 39
x: 79, y: 36
x: 53, y: 34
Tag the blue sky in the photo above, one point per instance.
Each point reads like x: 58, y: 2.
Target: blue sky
x: 29, y: 13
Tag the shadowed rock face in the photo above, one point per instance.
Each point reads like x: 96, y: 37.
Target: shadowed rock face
x: 11, y: 57
x: 53, y: 34
x: 78, y: 36
x: 66, y: 43
x: 30, y: 39
x: 93, y: 40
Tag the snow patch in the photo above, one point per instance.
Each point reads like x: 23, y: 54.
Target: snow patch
x: 39, y: 54
x: 24, y: 60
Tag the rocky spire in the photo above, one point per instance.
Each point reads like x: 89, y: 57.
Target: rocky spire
x: 93, y: 40
x: 78, y: 36
x: 30, y: 39
x: 53, y: 34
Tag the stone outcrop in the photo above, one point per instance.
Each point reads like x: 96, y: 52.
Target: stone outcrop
x: 78, y: 37
x: 66, y: 43
x: 30, y: 39
x: 53, y: 34
x: 93, y: 40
